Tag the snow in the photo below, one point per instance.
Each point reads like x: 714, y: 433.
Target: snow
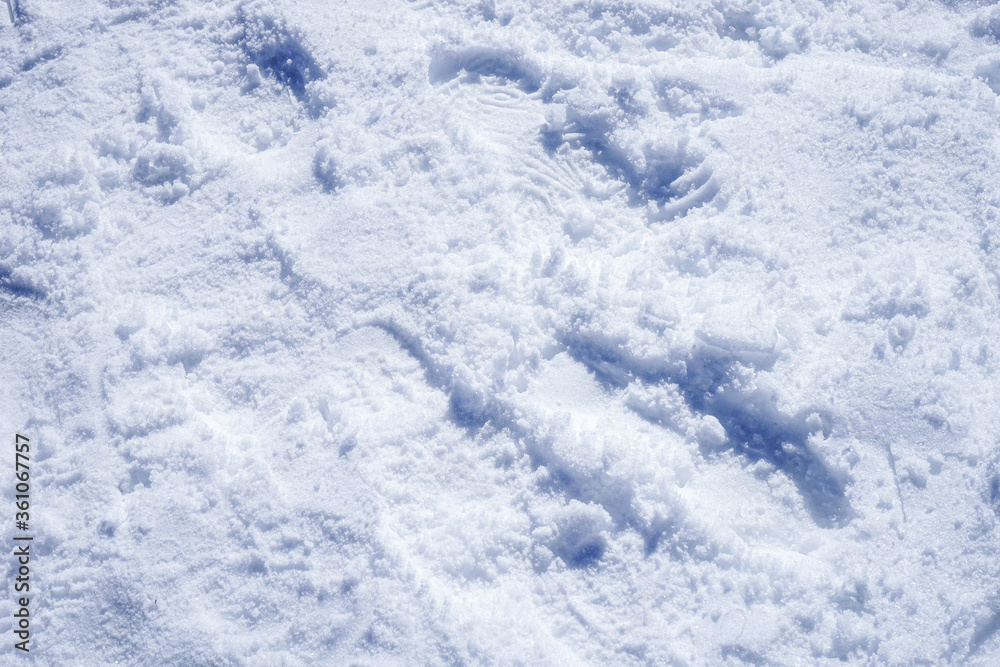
x: 591, y: 332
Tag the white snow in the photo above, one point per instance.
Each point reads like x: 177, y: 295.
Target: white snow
x: 497, y: 332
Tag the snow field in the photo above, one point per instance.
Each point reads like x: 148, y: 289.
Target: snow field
x: 611, y: 333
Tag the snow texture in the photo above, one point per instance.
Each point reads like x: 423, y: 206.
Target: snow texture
x: 610, y: 332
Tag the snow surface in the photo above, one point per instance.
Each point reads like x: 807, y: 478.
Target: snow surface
x: 496, y: 332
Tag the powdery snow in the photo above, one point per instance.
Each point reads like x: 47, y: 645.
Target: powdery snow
x: 501, y: 332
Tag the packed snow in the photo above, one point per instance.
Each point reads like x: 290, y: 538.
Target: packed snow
x: 607, y: 332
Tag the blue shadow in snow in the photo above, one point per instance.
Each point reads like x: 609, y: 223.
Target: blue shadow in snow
x: 753, y: 425
x: 290, y: 64
x: 17, y: 287
x: 277, y: 50
x: 660, y: 180
x: 485, y: 61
